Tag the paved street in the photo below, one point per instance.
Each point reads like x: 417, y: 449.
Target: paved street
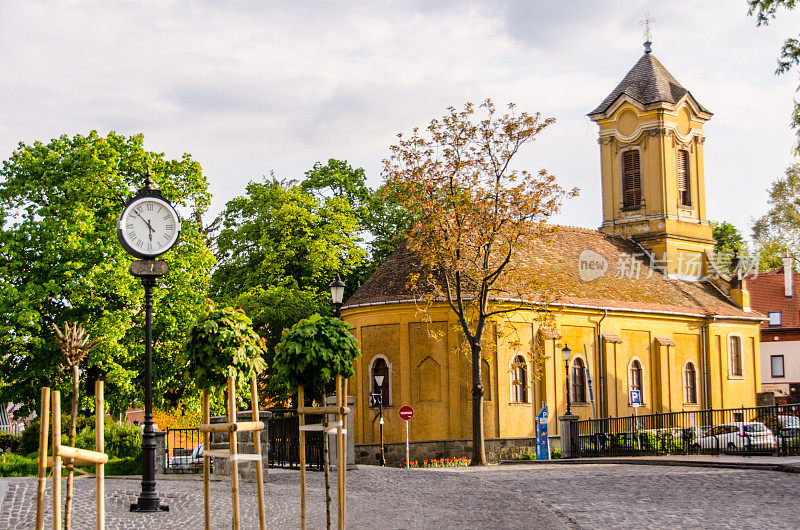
x: 541, y: 496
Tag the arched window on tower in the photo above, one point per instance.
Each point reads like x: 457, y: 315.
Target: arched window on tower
x: 578, y: 381
x: 689, y: 384
x: 519, y: 380
x: 684, y: 180
x: 631, y: 181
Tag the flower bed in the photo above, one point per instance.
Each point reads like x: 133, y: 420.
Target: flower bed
x: 439, y: 462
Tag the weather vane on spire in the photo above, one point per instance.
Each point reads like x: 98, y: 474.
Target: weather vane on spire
x: 648, y: 37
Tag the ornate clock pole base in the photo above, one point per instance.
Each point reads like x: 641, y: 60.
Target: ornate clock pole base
x: 148, y: 271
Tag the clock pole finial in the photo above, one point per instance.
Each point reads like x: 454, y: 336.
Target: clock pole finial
x: 148, y: 182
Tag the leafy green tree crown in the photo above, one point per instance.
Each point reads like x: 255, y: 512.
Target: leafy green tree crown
x: 60, y: 261
x: 222, y: 343
x: 315, y: 350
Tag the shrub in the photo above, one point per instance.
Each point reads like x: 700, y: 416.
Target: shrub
x: 555, y: 454
x: 12, y: 465
x: 30, y: 436
x: 527, y: 455
x: 121, y: 440
x: 10, y: 443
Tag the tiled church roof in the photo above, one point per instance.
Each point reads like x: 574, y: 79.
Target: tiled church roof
x: 556, y: 258
x: 647, y: 82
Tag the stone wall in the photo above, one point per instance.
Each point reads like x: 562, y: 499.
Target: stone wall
x: 247, y: 470
x: 497, y: 449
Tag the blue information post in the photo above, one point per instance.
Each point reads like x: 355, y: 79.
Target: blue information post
x: 542, y: 440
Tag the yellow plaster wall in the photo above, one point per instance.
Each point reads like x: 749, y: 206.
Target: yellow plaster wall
x: 396, y: 331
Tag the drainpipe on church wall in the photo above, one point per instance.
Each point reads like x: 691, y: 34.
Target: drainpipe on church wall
x: 706, y: 344
x: 601, y: 355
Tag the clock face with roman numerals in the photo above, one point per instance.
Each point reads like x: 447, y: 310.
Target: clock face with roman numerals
x: 148, y: 227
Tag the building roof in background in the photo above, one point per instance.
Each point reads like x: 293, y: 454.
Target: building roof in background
x: 647, y: 82
x: 767, y: 294
x: 629, y: 283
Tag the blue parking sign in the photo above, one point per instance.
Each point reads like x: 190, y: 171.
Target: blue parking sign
x: 636, y: 398
x: 542, y: 440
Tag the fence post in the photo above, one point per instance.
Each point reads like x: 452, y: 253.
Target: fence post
x: 161, y: 453
x: 569, y: 436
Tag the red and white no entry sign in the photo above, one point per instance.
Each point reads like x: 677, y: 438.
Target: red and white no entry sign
x: 406, y: 412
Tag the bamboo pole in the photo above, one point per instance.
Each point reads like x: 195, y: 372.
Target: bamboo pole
x: 301, y: 418
x: 92, y: 457
x: 44, y: 423
x: 56, y: 414
x: 99, y: 444
x: 233, y: 451
x: 206, y: 464
x: 262, y: 523
x: 344, y: 452
x: 339, y: 520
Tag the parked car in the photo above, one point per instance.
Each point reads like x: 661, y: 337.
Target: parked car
x: 790, y: 426
x: 739, y: 436
x: 186, y: 460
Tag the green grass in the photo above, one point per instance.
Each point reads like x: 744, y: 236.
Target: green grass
x: 12, y: 465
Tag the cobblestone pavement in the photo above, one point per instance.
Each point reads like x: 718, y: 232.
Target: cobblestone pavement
x: 541, y: 496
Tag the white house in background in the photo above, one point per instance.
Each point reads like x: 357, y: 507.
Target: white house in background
x: 776, y: 295
x: 8, y: 423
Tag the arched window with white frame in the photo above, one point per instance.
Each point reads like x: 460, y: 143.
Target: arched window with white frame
x: 578, y: 380
x: 735, y: 356
x: 635, y: 378
x: 689, y: 383
x: 519, y: 380
x: 380, y: 371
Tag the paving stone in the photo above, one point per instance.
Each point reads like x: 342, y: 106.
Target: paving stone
x: 542, y: 496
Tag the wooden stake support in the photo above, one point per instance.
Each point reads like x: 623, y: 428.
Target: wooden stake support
x: 341, y: 411
x: 232, y: 454
x: 98, y: 458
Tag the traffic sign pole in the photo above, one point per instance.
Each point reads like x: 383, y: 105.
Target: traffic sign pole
x: 407, y: 451
x: 406, y: 413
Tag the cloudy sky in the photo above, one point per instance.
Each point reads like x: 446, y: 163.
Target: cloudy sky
x: 249, y: 87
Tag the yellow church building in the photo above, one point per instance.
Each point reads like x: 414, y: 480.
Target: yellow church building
x: 640, y: 301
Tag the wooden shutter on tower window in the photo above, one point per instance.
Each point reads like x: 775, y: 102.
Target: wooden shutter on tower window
x: 631, y: 180
x: 684, y: 195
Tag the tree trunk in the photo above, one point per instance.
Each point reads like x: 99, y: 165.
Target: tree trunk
x: 326, y: 463
x: 73, y: 433
x: 478, y: 445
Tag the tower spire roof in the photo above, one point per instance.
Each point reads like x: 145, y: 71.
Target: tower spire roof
x: 647, y: 82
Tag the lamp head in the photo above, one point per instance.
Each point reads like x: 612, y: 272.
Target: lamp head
x: 379, y: 380
x: 566, y: 353
x: 337, y: 291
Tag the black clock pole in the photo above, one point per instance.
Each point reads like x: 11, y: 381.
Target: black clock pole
x: 148, y: 501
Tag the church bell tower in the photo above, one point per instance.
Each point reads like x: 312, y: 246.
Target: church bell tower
x: 651, y: 148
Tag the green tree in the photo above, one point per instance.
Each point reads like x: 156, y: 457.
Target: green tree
x: 382, y: 220
x: 477, y: 212
x: 778, y: 231
x: 278, y: 234
x: 222, y: 344
x: 764, y: 11
x: 60, y: 261
x: 311, y: 354
x: 728, y: 238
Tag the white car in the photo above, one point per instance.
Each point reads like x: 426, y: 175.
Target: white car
x: 186, y: 461
x: 739, y: 436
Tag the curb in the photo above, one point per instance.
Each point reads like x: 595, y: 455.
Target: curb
x: 764, y: 466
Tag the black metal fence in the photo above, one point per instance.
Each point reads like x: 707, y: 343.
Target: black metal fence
x: 773, y: 430
x: 284, y: 440
x: 184, y: 451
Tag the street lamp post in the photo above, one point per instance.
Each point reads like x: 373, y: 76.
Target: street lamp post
x: 337, y: 295
x: 379, y: 398
x: 567, y: 353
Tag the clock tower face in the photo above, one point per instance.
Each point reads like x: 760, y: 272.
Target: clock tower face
x: 148, y: 227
